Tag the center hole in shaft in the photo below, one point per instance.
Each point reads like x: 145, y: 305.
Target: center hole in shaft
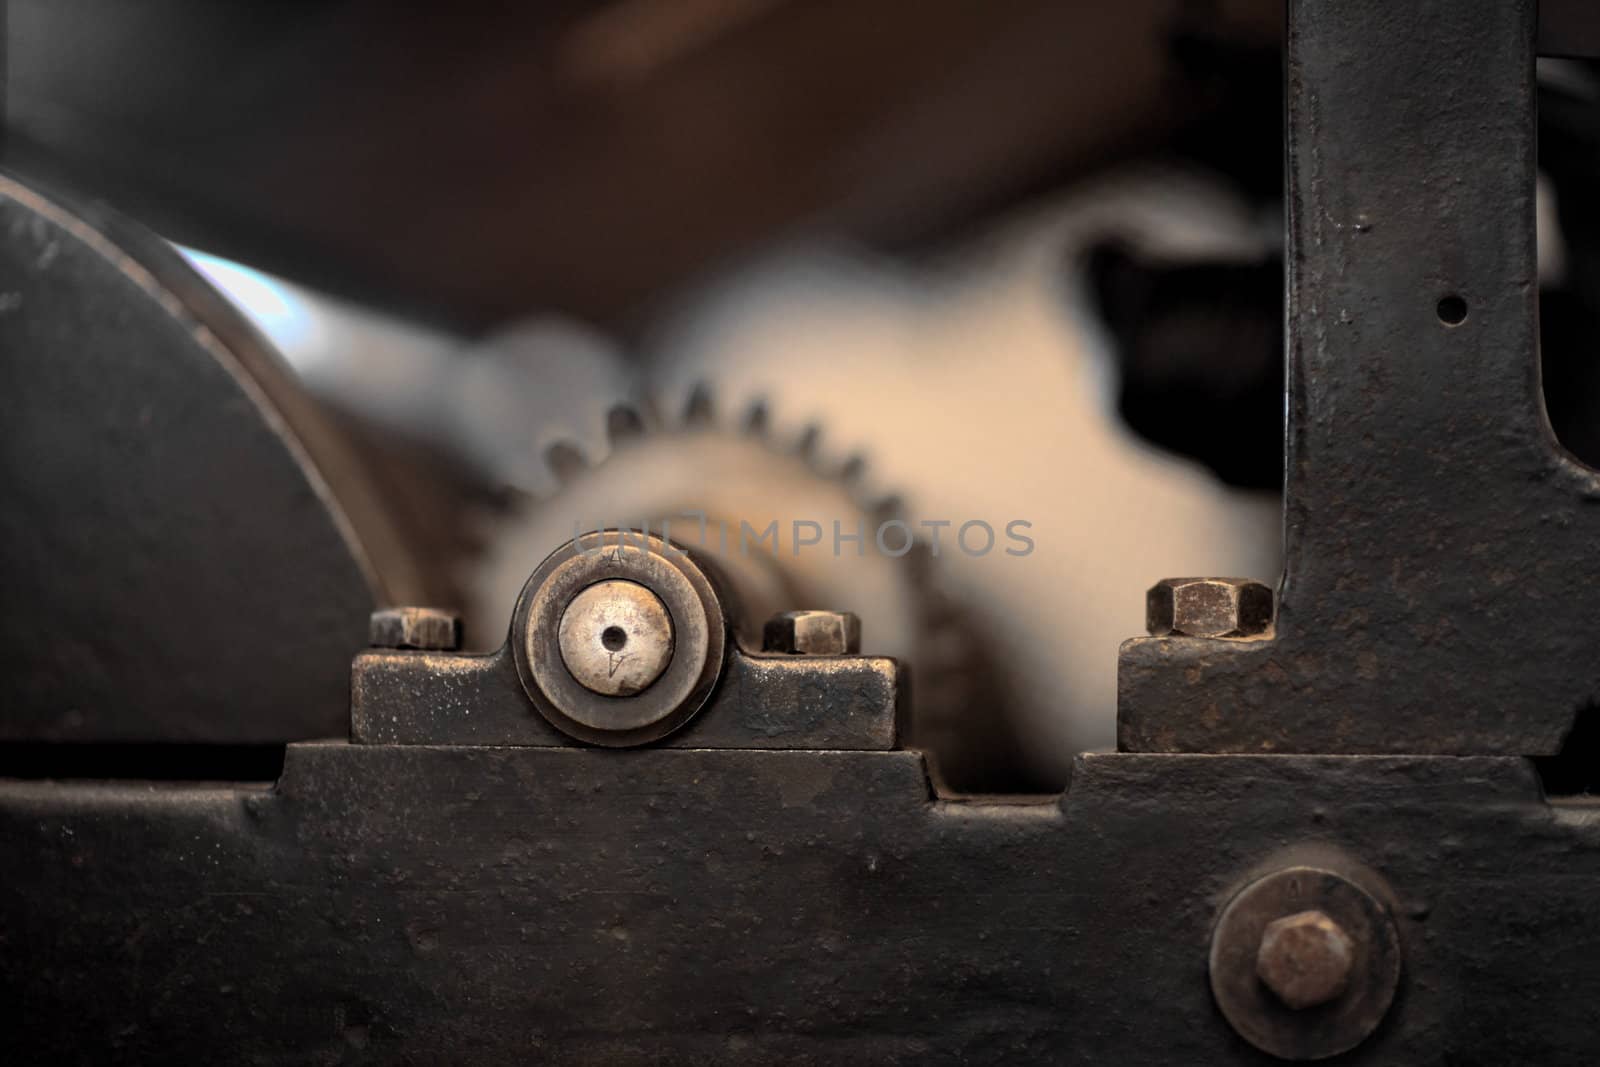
x: 613, y: 637
x: 1452, y: 310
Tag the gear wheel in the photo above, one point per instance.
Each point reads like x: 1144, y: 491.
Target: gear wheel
x: 754, y: 469
x: 982, y: 384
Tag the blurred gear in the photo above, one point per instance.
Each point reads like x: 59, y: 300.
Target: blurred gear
x: 736, y: 488
x: 983, y: 383
x: 535, y: 403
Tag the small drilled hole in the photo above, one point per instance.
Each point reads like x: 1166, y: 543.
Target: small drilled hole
x: 613, y: 637
x: 1452, y: 311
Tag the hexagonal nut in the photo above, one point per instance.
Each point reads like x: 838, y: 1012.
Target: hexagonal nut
x: 428, y: 629
x: 1305, y: 959
x: 813, y: 633
x: 1208, y: 607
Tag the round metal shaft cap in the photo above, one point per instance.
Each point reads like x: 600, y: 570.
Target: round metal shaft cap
x: 666, y: 628
x: 616, y: 638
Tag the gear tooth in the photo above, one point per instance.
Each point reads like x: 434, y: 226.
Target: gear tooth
x: 512, y: 500
x: 919, y: 559
x: 564, y: 461
x: 652, y: 413
x: 757, y: 420
x: 623, y: 423
x: 888, y: 507
x: 807, y: 445
x: 699, y: 411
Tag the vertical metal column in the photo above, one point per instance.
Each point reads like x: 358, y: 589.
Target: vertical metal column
x: 1441, y: 549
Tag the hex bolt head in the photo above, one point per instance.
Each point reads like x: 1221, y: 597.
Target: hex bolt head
x: 426, y: 629
x: 1305, y: 959
x: 813, y: 633
x: 1208, y: 607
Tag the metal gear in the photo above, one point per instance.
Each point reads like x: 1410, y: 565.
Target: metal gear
x: 982, y: 384
x: 980, y: 388
x: 708, y: 475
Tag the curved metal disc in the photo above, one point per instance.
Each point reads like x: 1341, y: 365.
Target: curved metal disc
x: 176, y: 565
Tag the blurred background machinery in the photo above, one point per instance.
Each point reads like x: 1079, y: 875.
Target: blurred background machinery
x: 614, y: 262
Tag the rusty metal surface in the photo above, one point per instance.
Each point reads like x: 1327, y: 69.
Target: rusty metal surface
x: 435, y: 905
x: 815, y: 702
x: 1438, y: 540
x: 187, y: 552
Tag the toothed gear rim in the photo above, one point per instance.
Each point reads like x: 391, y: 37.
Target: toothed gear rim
x: 658, y: 465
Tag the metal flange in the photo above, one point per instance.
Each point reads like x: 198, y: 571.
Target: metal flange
x: 643, y: 671
x: 1305, y: 962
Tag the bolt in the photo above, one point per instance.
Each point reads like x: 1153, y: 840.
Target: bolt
x: 813, y: 633
x: 1304, y: 936
x: 1305, y: 958
x: 616, y: 638
x: 429, y: 629
x: 1208, y: 607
